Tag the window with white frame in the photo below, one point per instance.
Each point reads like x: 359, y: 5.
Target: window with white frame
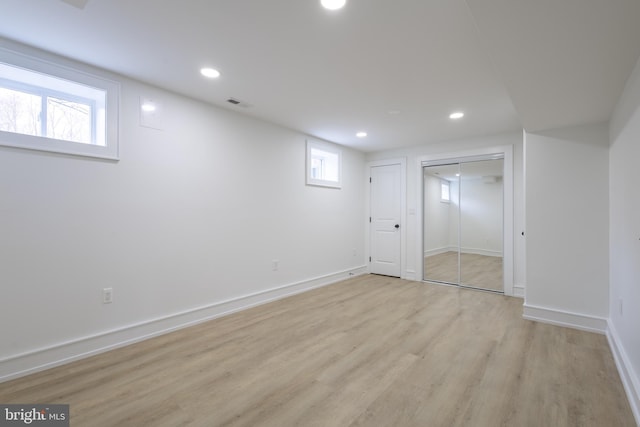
x: 51, y: 107
x: 445, y: 191
x: 324, y: 165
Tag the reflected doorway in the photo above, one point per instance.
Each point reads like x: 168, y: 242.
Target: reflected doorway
x: 463, y: 223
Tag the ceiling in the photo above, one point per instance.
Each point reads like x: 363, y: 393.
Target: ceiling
x: 395, y: 69
x: 470, y: 170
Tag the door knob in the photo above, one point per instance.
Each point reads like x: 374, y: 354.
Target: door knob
x: 397, y: 226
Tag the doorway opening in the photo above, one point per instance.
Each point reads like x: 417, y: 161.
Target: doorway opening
x: 386, y: 226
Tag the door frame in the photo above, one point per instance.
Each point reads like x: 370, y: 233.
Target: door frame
x: 402, y: 161
x: 508, y: 206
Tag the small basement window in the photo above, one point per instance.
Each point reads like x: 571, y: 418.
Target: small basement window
x: 50, y: 107
x: 445, y: 191
x: 324, y: 165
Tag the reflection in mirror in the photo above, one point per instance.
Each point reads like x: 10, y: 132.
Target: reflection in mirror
x: 481, y: 211
x: 441, y: 198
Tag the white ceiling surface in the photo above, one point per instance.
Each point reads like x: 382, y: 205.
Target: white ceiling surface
x: 505, y: 63
x: 467, y: 170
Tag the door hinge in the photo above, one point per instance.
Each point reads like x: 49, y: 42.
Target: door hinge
x: 369, y: 179
x: 369, y: 219
x: 369, y: 259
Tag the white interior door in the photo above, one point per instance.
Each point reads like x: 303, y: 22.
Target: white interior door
x: 385, y: 220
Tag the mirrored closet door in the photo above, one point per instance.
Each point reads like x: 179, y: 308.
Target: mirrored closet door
x: 463, y: 223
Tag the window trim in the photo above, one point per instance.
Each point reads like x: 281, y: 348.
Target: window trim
x: 75, y: 73
x: 330, y: 149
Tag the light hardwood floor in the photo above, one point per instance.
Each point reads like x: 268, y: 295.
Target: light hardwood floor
x: 477, y: 271
x: 370, y: 351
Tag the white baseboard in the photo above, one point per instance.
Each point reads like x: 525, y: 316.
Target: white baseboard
x: 438, y: 251
x: 478, y: 251
x: 518, y: 291
x: 409, y: 275
x: 45, y: 358
x: 564, y: 318
x: 629, y: 377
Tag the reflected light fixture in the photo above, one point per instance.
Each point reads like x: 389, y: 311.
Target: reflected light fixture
x: 456, y: 115
x: 333, y: 4
x: 212, y: 73
x: 361, y: 134
x: 148, y: 107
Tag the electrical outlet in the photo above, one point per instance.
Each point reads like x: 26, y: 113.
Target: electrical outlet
x: 355, y: 253
x: 274, y: 265
x: 107, y: 295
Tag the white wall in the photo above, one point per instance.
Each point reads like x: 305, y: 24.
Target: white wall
x: 567, y: 223
x: 481, y: 217
x: 624, y: 240
x: 436, y: 227
x: 414, y: 198
x: 481, y: 213
x: 190, y: 217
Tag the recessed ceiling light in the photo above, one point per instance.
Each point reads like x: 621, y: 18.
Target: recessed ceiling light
x: 333, y: 4
x: 456, y: 115
x: 212, y: 73
x: 457, y: 174
x: 361, y: 134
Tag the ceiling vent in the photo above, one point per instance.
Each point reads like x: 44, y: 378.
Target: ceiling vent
x: 237, y: 102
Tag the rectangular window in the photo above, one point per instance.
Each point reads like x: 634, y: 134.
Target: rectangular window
x: 51, y: 107
x: 324, y: 165
x: 445, y: 191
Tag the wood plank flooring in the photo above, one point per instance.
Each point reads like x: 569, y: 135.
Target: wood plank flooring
x: 370, y: 351
x: 477, y: 271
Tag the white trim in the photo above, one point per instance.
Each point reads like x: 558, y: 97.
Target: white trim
x: 478, y: 251
x: 475, y: 251
x: 567, y: 319
x: 518, y: 290
x: 523, y: 233
x: 410, y: 275
x: 438, y: 251
x: 402, y: 161
x: 62, y: 353
x: 629, y: 377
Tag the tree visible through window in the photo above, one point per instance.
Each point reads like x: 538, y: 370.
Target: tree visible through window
x: 20, y: 112
x: 45, y: 106
x: 39, y: 114
x: 69, y: 120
